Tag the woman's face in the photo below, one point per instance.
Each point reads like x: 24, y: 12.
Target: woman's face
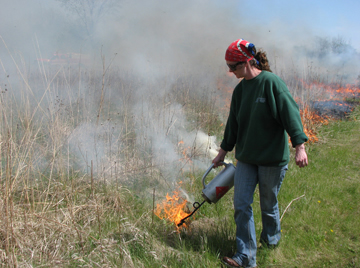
x: 237, y: 68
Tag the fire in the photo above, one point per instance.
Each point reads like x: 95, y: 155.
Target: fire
x: 185, y: 151
x: 311, y: 120
x: 172, y: 208
x: 334, y: 91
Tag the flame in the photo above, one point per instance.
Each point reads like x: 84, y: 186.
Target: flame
x: 328, y: 92
x: 311, y: 121
x: 334, y: 91
x: 172, y: 208
x: 185, y: 151
x: 186, y: 154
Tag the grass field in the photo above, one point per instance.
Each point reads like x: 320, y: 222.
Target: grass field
x: 82, y: 170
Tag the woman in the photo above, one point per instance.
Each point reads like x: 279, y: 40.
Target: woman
x: 262, y: 113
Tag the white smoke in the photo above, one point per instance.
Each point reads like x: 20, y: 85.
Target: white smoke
x: 157, y: 42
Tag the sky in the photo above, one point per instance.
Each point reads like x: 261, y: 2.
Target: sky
x: 320, y: 17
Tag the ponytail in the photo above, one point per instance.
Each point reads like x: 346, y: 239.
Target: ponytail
x: 260, y: 62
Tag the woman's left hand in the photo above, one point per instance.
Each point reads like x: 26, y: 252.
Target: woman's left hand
x: 301, y: 158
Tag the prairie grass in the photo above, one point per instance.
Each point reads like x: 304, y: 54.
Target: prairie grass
x: 86, y: 154
x: 321, y: 228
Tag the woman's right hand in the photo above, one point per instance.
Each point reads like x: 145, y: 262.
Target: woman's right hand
x: 217, y: 161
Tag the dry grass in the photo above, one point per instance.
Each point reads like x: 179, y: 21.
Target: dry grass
x: 80, y: 154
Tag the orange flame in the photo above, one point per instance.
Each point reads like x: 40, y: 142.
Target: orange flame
x: 185, y: 151
x: 172, y: 208
x: 335, y: 91
x: 311, y: 121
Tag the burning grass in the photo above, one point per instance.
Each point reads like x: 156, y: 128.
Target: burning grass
x: 173, y: 208
x: 333, y: 102
x: 333, y: 91
x: 311, y: 123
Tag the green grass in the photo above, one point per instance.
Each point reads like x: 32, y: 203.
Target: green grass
x: 320, y: 229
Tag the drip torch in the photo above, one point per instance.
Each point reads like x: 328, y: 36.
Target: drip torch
x: 216, y: 188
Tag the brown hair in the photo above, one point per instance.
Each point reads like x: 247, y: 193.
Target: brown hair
x: 263, y: 63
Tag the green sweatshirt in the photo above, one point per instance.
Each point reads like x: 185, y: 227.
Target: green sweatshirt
x: 262, y: 111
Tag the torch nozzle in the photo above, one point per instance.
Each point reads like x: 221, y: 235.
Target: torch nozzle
x: 181, y: 223
x: 196, y: 205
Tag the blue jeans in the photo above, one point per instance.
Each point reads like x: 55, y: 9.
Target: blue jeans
x: 247, y: 176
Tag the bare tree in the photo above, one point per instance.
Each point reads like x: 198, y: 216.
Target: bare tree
x: 91, y: 12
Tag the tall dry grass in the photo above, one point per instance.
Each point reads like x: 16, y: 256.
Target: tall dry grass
x: 77, y: 146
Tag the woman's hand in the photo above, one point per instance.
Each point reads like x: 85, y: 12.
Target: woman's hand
x: 301, y: 158
x: 219, y: 158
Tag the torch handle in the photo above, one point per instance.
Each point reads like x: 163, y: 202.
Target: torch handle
x: 208, y: 171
